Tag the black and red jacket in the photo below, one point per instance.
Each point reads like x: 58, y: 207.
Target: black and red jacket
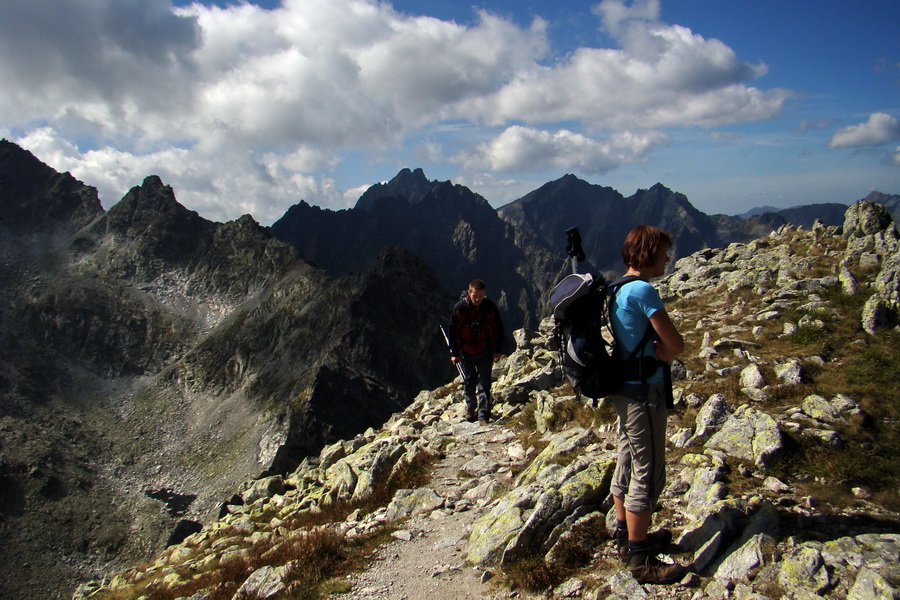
x: 474, y: 329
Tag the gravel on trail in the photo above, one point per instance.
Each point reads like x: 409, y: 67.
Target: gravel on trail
x: 425, y: 559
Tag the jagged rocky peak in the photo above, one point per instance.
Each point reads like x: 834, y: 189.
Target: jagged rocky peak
x: 547, y: 212
x: 146, y: 233
x: 408, y: 185
x: 150, y: 211
x: 34, y: 197
x: 566, y: 193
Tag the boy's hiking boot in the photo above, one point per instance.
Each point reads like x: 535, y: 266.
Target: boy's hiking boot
x: 470, y: 414
x: 646, y: 568
x: 657, y: 542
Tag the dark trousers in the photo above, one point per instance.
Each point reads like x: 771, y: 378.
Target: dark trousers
x: 478, y: 390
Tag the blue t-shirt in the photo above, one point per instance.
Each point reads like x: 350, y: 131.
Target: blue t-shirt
x: 630, y: 312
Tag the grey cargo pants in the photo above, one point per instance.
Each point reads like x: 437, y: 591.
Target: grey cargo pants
x: 640, y: 474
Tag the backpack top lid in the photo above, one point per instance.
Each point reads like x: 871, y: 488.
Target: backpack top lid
x: 570, y: 289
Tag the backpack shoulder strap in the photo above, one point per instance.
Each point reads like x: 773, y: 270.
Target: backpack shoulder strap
x: 648, y: 335
x: 649, y: 332
x: 615, y: 285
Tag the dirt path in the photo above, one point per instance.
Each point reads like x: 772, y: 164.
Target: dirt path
x: 426, y: 558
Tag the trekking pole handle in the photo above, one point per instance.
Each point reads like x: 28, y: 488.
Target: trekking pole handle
x: 573, y: 247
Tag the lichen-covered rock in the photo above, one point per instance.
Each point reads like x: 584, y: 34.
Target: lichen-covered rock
x: 564, y: 444
x: 709, y: 534
x: 790, y: 373
x: 872, y: 584
x: 752, y: 377
x: 804, y: 570
x: 266, y: 487
x: 865, y: 219
x: 491, y: 533
x: 750, y: 434
x: 409, y: 503
x: 479, y: 465
x: 706, y: 487
x: 379, y: 468
x: 754, y: 554
x: 266, y: 583
x: 710, y: 418
x: 817, y: 407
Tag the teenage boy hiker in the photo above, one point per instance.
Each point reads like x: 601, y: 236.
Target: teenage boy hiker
x: 476, y: 339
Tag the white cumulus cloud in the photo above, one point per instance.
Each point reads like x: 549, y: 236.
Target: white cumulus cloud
x: 880, y: 129
x: 243, y: 109
x: 520, y: 149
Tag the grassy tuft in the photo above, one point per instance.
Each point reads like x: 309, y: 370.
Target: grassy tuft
x: 580, y: 413
x: 573, y: 552
x: 532, y: 575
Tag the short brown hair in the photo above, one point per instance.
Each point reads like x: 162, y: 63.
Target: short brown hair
x: 642, y: 244
x: 477, y: 284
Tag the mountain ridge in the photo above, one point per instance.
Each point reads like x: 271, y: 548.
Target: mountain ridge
x: 148, y: 353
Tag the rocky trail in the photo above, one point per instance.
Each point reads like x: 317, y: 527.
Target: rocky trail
x: 426, y: 557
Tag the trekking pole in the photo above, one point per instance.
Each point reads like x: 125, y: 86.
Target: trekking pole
x: 458, y: 363
x: 573, y: 247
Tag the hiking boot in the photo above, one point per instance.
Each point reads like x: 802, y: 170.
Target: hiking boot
x: 646, y: 568
x: 657, y: 541
x: 470, y: 414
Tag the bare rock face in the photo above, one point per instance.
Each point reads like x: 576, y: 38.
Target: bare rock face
x: 36, y: 199
x: 872, y: 236
x: 865, y: 219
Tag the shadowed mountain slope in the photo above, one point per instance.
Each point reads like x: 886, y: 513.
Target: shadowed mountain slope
x: 147, y: 353
x: 455, y: 231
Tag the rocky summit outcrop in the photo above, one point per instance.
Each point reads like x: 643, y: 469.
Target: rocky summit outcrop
x: 781, y: 475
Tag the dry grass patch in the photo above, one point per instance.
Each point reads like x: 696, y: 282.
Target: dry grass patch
x: 574, y: 552
x: 525, y: 425
x: 531, y: 574
x: 581, y: 413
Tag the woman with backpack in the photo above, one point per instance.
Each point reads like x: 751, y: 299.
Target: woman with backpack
x: 638, y: 317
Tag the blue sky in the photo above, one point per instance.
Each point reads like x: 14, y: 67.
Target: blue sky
x: 252, y: 107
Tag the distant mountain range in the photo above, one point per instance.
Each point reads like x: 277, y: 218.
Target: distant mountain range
x: 828, y: 213
x: 518, y: 249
